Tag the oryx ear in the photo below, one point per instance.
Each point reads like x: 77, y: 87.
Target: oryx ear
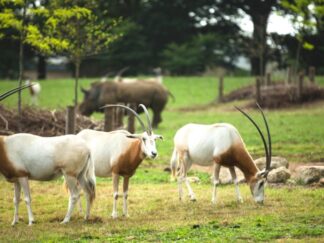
x: 262, y: 174
x: 156, y: 136
x: 84, y: 91
x: 134, y: 136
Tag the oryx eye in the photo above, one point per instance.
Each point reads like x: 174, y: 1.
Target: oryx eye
x: 261, y: 184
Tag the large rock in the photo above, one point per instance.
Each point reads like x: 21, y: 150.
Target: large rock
x: 276, y: 162
x: 310, y: 174
x: 279, y: 175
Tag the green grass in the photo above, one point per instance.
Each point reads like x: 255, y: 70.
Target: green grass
x: 157, y: 215
x: 297, y: 133
x: 290, y: 213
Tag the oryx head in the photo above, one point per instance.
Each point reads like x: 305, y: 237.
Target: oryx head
x: 147, y: 138
x: 258, y: 182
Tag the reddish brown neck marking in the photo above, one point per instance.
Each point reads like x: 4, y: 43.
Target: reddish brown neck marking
x: 239, y: 157
x: 245, y: 162
x: 130, y: 160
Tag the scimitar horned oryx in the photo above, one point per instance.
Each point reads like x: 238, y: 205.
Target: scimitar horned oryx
x: 119, y: 153
x: 219, y: 144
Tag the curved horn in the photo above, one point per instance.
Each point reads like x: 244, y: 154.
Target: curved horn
x: 148, y: 118
x: 12, y: 91
x: 131, y: 110
x: 268, y: 161
x: 121, y: 71
x: 257, y: 127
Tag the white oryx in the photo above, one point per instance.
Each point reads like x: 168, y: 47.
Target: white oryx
x: 34, y: 91
x: 119, y: 153
x: 26, y: 156
x: 218, y: 144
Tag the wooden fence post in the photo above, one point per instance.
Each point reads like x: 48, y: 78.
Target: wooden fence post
x: 70, y: 120
x: 109, y: 119
x: 119, y: 115
x: 289, y: 73
x: 220, y: 89
x: 131, y: 119
x: 268, y: 79
x: 300, y: 85
x: 258, y: 90
x: 311, y: 74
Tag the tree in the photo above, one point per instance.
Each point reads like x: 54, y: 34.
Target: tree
x: 18, y: 16
x: 307, y: 19
x: 85, y: 34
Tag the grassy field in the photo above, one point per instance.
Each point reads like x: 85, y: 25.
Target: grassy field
x: 290, y: 213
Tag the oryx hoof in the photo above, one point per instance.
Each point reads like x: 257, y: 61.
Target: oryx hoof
x: 14, y: 223
x: 65, y: 221
x: 114, y: 215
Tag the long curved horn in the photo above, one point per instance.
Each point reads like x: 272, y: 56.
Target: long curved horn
x: 257, y: 127
x: 268, y: 161
x: 12, y: 91
x: 149, y: 125
x: 121, y: 71
x: 131, y: 110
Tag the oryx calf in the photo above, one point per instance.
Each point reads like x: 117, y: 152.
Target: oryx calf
x: 119, y: 153
x: 26, y: 156
x: 218, y: 144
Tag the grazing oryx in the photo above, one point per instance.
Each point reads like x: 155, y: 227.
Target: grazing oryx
x: 119, y: 153
x: 26, y: 156
x: 219, y: 144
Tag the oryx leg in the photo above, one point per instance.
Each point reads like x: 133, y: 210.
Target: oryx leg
x: 83, y: 185
x: 125, y: 196
x: 115, y: 179
x: 235, y: 181
x: 80, y: 205
x: 217, y: 167
x: 184, y: 164
x: 187, y: 167
x: 72, y: 184
x: 23, y: 181
x: 190, y: 191
x: 16, y: 202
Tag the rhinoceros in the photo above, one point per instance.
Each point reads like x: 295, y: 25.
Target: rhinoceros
x: 152, y: 95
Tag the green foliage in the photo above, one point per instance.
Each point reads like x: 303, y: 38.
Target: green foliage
x: 182, y: 59
x: 82, y: 31
x: 35, y: 31
x: 305, y: 13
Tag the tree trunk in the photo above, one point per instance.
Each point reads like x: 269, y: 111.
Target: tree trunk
x: 21, y: 55
x: 41, y: 68
x: 76, y: 82
x: 259, y: 46
x: 21, y: 72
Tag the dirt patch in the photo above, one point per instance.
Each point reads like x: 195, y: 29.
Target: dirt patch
x: 39, y: 122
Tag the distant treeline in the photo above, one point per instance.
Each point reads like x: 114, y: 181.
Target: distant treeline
x: 185, y: 37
